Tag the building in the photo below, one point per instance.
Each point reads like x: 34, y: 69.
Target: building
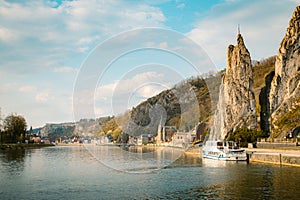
x: 165, y: 133
x: 182, y: 139
x: 143, y: 139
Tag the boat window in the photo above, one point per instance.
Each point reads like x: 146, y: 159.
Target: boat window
x: 219, y: 143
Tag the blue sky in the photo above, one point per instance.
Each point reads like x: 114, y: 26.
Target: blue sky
x: 44, y: 46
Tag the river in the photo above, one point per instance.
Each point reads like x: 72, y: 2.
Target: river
x: 103, y: 172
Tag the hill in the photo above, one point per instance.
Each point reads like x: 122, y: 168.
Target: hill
x: 205, y: 88
x: 276, y: 87
x: 206, y: 91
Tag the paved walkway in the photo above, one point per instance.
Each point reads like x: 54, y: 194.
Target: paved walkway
x: 293, y: 151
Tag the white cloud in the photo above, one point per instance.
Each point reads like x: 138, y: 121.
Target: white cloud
x: 99, y: 111
x: 83, y: 49
x: 7, y: 36
x: 7, y: 87
x: 68, y: 31
x: 148, y: 90
x: 42, y: 43
x: 64, y: 69
x: 106, y: 91
x: 163, y: 45
x: 42, y: 97
x: 180, y: 6
x: 121, y: 95
x: 131, y: 85
x: 27, y: 88
x: 149, y: 44
x: 88, y: 40
x: 263, y: 24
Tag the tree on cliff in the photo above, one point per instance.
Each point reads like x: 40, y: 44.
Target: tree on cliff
x: 14, y: 128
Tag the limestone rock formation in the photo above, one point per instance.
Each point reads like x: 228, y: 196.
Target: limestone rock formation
x: 66, y: 129
x: 285, y: 86
x: 264, y: 102
x: 240, y: 107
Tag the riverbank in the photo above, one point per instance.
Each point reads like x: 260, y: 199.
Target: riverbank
x: 286, y: 156
x: 193, y: 151
x: 73, y: 144
x: 281, y: 156
x: 7, y: 147
x: 289, y: 156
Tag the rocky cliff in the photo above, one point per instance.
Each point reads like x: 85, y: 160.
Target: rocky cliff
x: 239, y: 99
x: 264, y: 102
x: 84, y: 127
x: 279, y: 98
x: 66, y: 129
x: 285, y: 86
x: 176, y: 106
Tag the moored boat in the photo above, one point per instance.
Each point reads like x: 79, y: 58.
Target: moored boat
x: 223, y: 150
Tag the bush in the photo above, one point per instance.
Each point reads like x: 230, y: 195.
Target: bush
x: 243, y: 136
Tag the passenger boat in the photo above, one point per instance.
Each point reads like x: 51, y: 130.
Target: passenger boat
x: 223, y: 150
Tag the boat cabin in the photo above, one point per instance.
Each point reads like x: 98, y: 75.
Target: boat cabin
x: 226, y: 144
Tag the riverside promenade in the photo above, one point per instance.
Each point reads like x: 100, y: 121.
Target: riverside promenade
x: 289, y: 156
x: 279, y: 156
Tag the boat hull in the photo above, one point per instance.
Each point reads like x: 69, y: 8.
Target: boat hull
x: 226, y: 157
x: 223, y: 150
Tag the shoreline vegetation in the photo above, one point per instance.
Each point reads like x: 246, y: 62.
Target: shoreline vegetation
x: 6, y: 147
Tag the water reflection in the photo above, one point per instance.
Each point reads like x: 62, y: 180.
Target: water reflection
x: 12, y: 161
x: 74, y: 173
x: 139, y: 149
x: 187, y: 161
x: 135, y: 159
x: 240, y: 181
x: 212, y: 163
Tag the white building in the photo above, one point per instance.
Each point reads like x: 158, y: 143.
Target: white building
x: 142, y: 139
x: 182, y: 139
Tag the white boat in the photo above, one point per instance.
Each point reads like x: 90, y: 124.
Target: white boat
x: 223, y: 150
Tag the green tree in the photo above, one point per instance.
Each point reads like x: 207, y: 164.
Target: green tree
x: 245, y: 136
x: 14, y: 128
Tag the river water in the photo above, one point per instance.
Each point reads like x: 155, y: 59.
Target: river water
x: 79, y: 172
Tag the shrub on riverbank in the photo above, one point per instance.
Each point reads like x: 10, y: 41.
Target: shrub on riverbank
x: 14, y: 129
x: 4, y: 147
x: 244, y: 136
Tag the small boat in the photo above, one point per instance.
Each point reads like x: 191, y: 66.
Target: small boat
x: 223, y: 150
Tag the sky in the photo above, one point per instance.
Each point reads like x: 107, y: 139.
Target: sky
x: 65, y: 60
